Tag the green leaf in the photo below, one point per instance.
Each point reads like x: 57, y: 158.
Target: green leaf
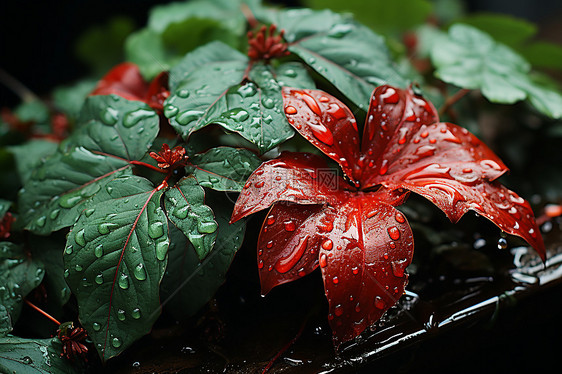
x: 503, y: 28
x: 5, y: 322
x: 29, y: 155
x: 350, y: 56
x: 223, y: 168
x: 471, y: 59
x: 32, y: 111
x: 146, y: 49
x: 111, y: 132
x: 49, y: 251
x: 101, y: 47
x: 209, y: 86
x: 185, y: 205
x: 70, y: 99
x: 190, y: 284
x: 4, y: 207
x: 383, y: 16
x: 23, y: 356
x: 294, y: 74
x: 19, y: 275
x: 115, y: 259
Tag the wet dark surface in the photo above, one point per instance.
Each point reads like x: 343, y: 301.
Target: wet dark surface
x: 467, y: 310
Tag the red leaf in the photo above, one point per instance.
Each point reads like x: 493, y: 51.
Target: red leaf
x: 301, y: 178
x: 157, y: 92
x: 364, y: 264
x: 327, y: 123
x: 124, y: 80
x: 287, y: 245
x: 364, y: 243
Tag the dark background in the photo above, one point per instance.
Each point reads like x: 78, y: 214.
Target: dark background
x: 38, y: 38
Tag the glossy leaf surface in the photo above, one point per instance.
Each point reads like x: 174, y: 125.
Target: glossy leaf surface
x: 217, y: 84
x: 223, y: 168
x: 115, y: 258
x: 107, y: 138
x: 19, y: 275
x: 190, y: 283
x: 347, y: 54
x: 185, y: 205
x: 19, y: 355
x: 471, y: 59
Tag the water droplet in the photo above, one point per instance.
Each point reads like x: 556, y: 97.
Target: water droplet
x: 123, y: 281
x: 207, y: 227
x: 162, y: 250
x: 116, y: 342
x: 335, y: 280
x: 247, y: 90
x: 140, y: 272
x: 69, y: 201
x: 170, y: 111
x: 41, y: 221
x: 121, y: 315
x: 390, y: 96
x: 270, y: 220
x: 502, y: 243
x: 384, y: 167
x: 238, y: 115
x: 322, y: 133
x: 269, y: 244
x: 156, y: 230
x: 184, y: 118
x: 268, y: 102
x: 400, y: 217
x: 289, y: 226
x: 323, y: 260
x: 66, y: 273
x: 399, y: 267
x: 181, y: 212
x: 98, y: 251
x: 290, y: 110
x: 338, y: 311
x: 311, y: 103
x: 355, y: 270
x: 106, y: 227
x: 89, y: 212
x: 394, y: 233
x: 109, y: 116
x: 532, y: 233
x: 134, y: 117
x: 96, y: 326
x: 285, y: 264
x: 54, y: 214
x: 259, y: 184
x: 78, y: 268
x: 99, y: 279
x: 136, y: 313
x: 379, y: 303
x: 79, y: 238
x: 327, y: 245
x: 260, y: 264
x: 183, y: 93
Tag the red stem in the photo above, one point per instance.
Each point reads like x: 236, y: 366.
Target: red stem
x: 453, y: 99
x: 285, y: 348
x: 250, y: 18
x: 42, y: 312
x: 140, y: 163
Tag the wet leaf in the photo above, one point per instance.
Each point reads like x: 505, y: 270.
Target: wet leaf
x: 352, y: 229
x: 223, y: 168
x: 350, y: 56
x: 5, y: 322
x: 504, y: 28
x: 471, y: 59
x: 19, y: 355
x: 115, y: 258
x: 111, y: 132
x: 70, y: 99
x: 185, y: 206
x: 31, y: 154
x: 189, y: 284
x: 217, y: 84
x: 19, y: 275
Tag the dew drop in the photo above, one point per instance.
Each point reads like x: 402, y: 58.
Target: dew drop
x: 335, y: 280
x: 399, y: 267
x: 54, y: 214
x: 181, y: 212
x: 311, y: 103
x: 208, y: 227
x: 289, y: 226
x: 400, y: 217
x: 116, y: 342
x: 69, y: 201
x: 390, y: 96
x: 121, y: 315
x: 384, y: 167
x: 322, y: 133
x: 270, y: 220
x: 323, y: 260
x: 123, y: 281
x: 290, y: 110
x: 106, y: 227
x: 96, y: 326
x: 99, y: 279
x: 394, y: 233
x: 269, y: 244
x: 78, y: 268
x: 109, y: 116
x: 260, y: 264
x: 89, y: 212
x: 134, y: 117
x: 162, y: 250
x: 156, y: 230
x: 338, y: 311
x: 502, y: 243
x: 328, y: 245
x: 79, y: 238
x: 98, y: 250
x: 136, y: 313
x: 259, y: 184
x: 140, y: 272
x: 379, y: 303
x: 355, y: 270
x: 170, y: 111
x: 184, y: 94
